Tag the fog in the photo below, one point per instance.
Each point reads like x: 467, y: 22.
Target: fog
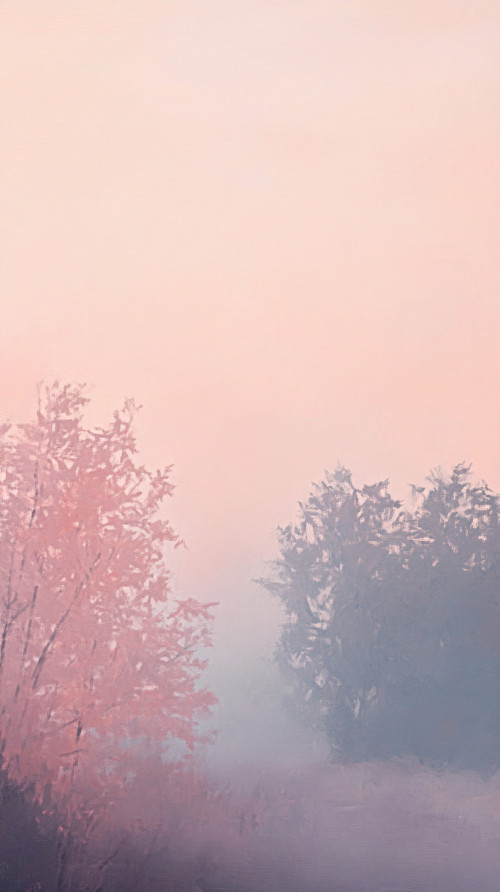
x: 275, y: 226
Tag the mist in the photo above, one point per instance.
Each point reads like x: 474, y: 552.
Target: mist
x: 272, y: 226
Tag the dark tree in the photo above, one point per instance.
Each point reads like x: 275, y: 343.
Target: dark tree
x: 392, y: 639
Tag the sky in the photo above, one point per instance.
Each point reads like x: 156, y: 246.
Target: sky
x: 276, y: 226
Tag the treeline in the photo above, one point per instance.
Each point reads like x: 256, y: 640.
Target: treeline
x: 392, y: 641
x: 390, y: 649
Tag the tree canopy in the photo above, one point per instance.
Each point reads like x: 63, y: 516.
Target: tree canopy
x: 391, y: 643
x: 99, y: 666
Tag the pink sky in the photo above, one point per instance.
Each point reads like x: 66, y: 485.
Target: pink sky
x: 276, y: 224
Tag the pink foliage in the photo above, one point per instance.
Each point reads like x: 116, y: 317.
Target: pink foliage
x: 99, y: 667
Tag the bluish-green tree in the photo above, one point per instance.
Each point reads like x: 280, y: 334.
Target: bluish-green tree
x: 391, y: 643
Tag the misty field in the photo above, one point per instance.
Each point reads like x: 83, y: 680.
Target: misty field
x: 318, y: 828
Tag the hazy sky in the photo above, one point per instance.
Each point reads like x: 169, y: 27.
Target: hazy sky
x: 276, y: 224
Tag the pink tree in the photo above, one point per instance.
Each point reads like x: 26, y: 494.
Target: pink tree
x: 99, y: 667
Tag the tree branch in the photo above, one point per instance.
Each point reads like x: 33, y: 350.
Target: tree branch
x: 62, y: 619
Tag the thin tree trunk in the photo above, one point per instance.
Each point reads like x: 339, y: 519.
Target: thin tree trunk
x: 60, y: 622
